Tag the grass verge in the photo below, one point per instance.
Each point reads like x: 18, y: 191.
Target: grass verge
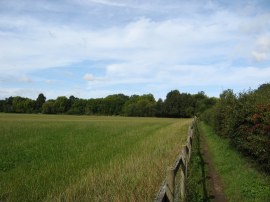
x: 241, y: 181
x: 197, y: 183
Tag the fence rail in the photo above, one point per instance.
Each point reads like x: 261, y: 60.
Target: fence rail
x: 168, y: 190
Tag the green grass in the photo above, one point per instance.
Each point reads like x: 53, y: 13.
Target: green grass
x: 85, y: 158
x: 197, y: 181
x: 241, y: 181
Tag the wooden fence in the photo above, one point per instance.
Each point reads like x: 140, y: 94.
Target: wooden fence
x: 174, y: 186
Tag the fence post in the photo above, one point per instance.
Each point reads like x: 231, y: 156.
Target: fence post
x: 188, y: 146
x: 183, y: 181
x: 170, y: 183
x: 184, y: 157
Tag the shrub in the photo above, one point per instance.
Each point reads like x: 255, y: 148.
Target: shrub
x: 245, y: 120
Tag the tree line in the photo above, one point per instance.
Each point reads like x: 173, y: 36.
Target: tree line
x: 244, y: 119
x: 176, y: 105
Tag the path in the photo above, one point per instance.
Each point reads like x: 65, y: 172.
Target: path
x: 216, y: 191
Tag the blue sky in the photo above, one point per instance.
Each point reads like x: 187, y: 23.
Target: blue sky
x: 94, y: 48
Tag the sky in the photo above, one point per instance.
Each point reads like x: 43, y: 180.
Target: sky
x: 95, y: 48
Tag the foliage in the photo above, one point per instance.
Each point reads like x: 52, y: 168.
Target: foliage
x: 143, y: 106
x: 176, y: 105
x: 113, y: 104
x: 159, y: 108
x: 49, y: 107
x: 61, y: 105
x: 39, y: 102
x: 77, y: 106
x: 245, y: 120
x: 179, y: 104
x: 23, y: 105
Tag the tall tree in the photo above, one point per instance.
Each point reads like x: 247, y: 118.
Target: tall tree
x: 61, y: 104
x: 8, y: 105
x: 172, y: 104
x: 113, y: 104
x: 41, y: 99
x: 144, y: 105
x: 49, y: 107
x: 159, y: 108
x: 78, y: 107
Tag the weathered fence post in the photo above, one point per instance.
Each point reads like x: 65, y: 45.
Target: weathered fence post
x: 188, y: 147
x: 185, y: 157
x: 182, y: 181
x: 170, y: 183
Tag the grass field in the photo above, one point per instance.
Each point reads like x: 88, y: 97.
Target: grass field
x: 84, y: 158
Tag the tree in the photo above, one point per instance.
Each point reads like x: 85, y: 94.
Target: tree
x: 175, y: 105
x: 172, y: 104
x: 130, y: 108
x: 49, y: 107
x: 78, y: 107
x: 61, y: 104
x: 159, y: 108
x: 144, y: 105
x: 23, y: 105
x: 113, y: 104
x: 18, y: 105
x: 71, y: 100
x: 2, y: 104
x: 186, y: 105
x: 8, y: 105
x: 92, y: 107
x: 41, y: 99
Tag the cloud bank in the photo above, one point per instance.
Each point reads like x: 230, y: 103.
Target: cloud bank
x: 191, y: 46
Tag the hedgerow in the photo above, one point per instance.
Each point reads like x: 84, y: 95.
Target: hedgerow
x: 245, y: 120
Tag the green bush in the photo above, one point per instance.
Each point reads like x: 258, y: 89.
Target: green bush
x: 245, y: 120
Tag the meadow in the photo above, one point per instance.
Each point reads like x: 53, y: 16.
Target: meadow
x: 86, y: 158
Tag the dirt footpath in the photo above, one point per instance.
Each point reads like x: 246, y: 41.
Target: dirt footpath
x: 216, y: 190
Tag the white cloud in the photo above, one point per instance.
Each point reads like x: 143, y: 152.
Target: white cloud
x: 142, y: 40
x: 15, y: 78
x: 184, y: 76
x: 25, y: 78
x: 88, y: 77
x: 263, y: 43
x: 259, y: 56
x: 253, y: 25
x: 195, y: 47
x: 24, y: 92
x: 262, y: 48
x: 49, y: 81
x: 107, y: 3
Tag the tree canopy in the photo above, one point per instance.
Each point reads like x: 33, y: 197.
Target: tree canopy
x: 175, y: 105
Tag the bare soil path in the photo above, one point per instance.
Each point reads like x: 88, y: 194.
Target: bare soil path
x: 216, y: 190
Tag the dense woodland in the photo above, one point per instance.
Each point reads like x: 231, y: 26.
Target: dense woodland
x: 245, y: 120
x: 175, y: 105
